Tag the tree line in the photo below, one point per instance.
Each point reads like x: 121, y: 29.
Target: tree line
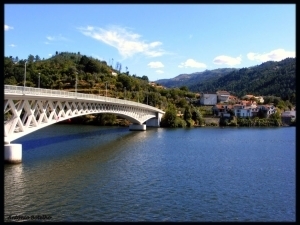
x: 67, y: 71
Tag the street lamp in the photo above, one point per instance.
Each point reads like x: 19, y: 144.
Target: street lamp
x: 39, y: 79
x: 25, y: 76
x: 125, y: 93
x: 106, y: 89
x: 147, y: 96
x: 76, y: 84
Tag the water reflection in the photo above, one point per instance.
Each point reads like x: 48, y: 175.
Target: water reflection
x: 15, y: 187
x: 51, y: 178
x: 112, y: 174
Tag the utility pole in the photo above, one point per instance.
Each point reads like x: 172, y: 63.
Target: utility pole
x: 39, y: 79
x: 76, y: 84
x: 125, y: 93
x: 147, y: 96
x: 106, y: 89
x: 25, y: 76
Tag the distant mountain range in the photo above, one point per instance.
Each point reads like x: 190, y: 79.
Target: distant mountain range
x: 269, y: 78
x: 194, y: 78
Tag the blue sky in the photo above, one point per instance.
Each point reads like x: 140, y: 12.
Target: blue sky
x: 157, y: 40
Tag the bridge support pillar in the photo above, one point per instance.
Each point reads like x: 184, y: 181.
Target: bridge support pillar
x: 154, y: 122
x: 137, y: 127
x: 13, y: 153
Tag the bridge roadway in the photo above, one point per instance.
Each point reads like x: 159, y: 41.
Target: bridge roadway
x: 28, y: 109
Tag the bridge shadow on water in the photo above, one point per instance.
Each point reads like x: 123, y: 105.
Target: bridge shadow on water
x: 76, y: 164
x: 42, y: 142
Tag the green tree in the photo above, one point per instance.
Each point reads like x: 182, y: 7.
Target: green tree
x: 126, y: 81
x: 184, y: 88
x: 106, y: 119
x: 93, y: 67
x: 30, y: 58
x: 187, y: 113
x: 187, y: 116
x: 169, y: 118
x: 197, y: 117
x: 182, y: 103
x: 145, y: 78
x: 37, y: 58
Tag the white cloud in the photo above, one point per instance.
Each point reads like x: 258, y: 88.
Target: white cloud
x: 126, y: 42
x: 227, y: 60
x: 12, y: 45
x: 192, y: 63
x: 56, y: 38
x: 50, y: 55
x: 50, y: 38
x: 275, y: 55
x: 6, y: 27
x: 155, y: 65
x: 159, y: 71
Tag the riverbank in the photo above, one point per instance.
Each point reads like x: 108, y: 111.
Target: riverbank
x: 208, y: 122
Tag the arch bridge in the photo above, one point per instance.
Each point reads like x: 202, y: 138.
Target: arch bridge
x: 28, y: 109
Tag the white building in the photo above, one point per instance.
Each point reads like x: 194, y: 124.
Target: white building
x: 208, y: 99
x: 287, y: 117
x: 289, y: 113
x: 242, y: 110
x: 245, y: 109
x: 223, y: 96
x: 267, y: 109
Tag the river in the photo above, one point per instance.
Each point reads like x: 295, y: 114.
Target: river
x: 110, y: 174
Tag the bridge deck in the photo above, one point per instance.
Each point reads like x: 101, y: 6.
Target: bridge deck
x: 29, y: 109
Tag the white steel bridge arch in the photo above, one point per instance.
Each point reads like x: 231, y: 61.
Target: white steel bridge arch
x: 29, y: 109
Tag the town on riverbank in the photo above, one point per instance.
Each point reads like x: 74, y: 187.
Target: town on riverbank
x: 223, y: 109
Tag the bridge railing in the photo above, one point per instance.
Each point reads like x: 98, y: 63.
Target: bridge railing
x: 11, y: 89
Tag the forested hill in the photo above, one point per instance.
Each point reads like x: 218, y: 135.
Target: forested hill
x: 269, y: 78
x: 194, y: 78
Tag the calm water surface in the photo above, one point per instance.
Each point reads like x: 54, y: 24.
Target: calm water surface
x: 90, y: 173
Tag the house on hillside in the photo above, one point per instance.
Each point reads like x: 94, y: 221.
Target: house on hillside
x: 255, y: 111
x: 223, y: 96
x: 260, y: 99
x: 251, y: 104
x: 288, y: 117
x: 267, y: 110
x: 208, y: 99
x: 233, y: 99
x: 241, y: 110
x: 221, y: 110
x: 245, y: 109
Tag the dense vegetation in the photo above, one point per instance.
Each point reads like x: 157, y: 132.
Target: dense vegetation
x: 70, y: 71
x: 269, y: 78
